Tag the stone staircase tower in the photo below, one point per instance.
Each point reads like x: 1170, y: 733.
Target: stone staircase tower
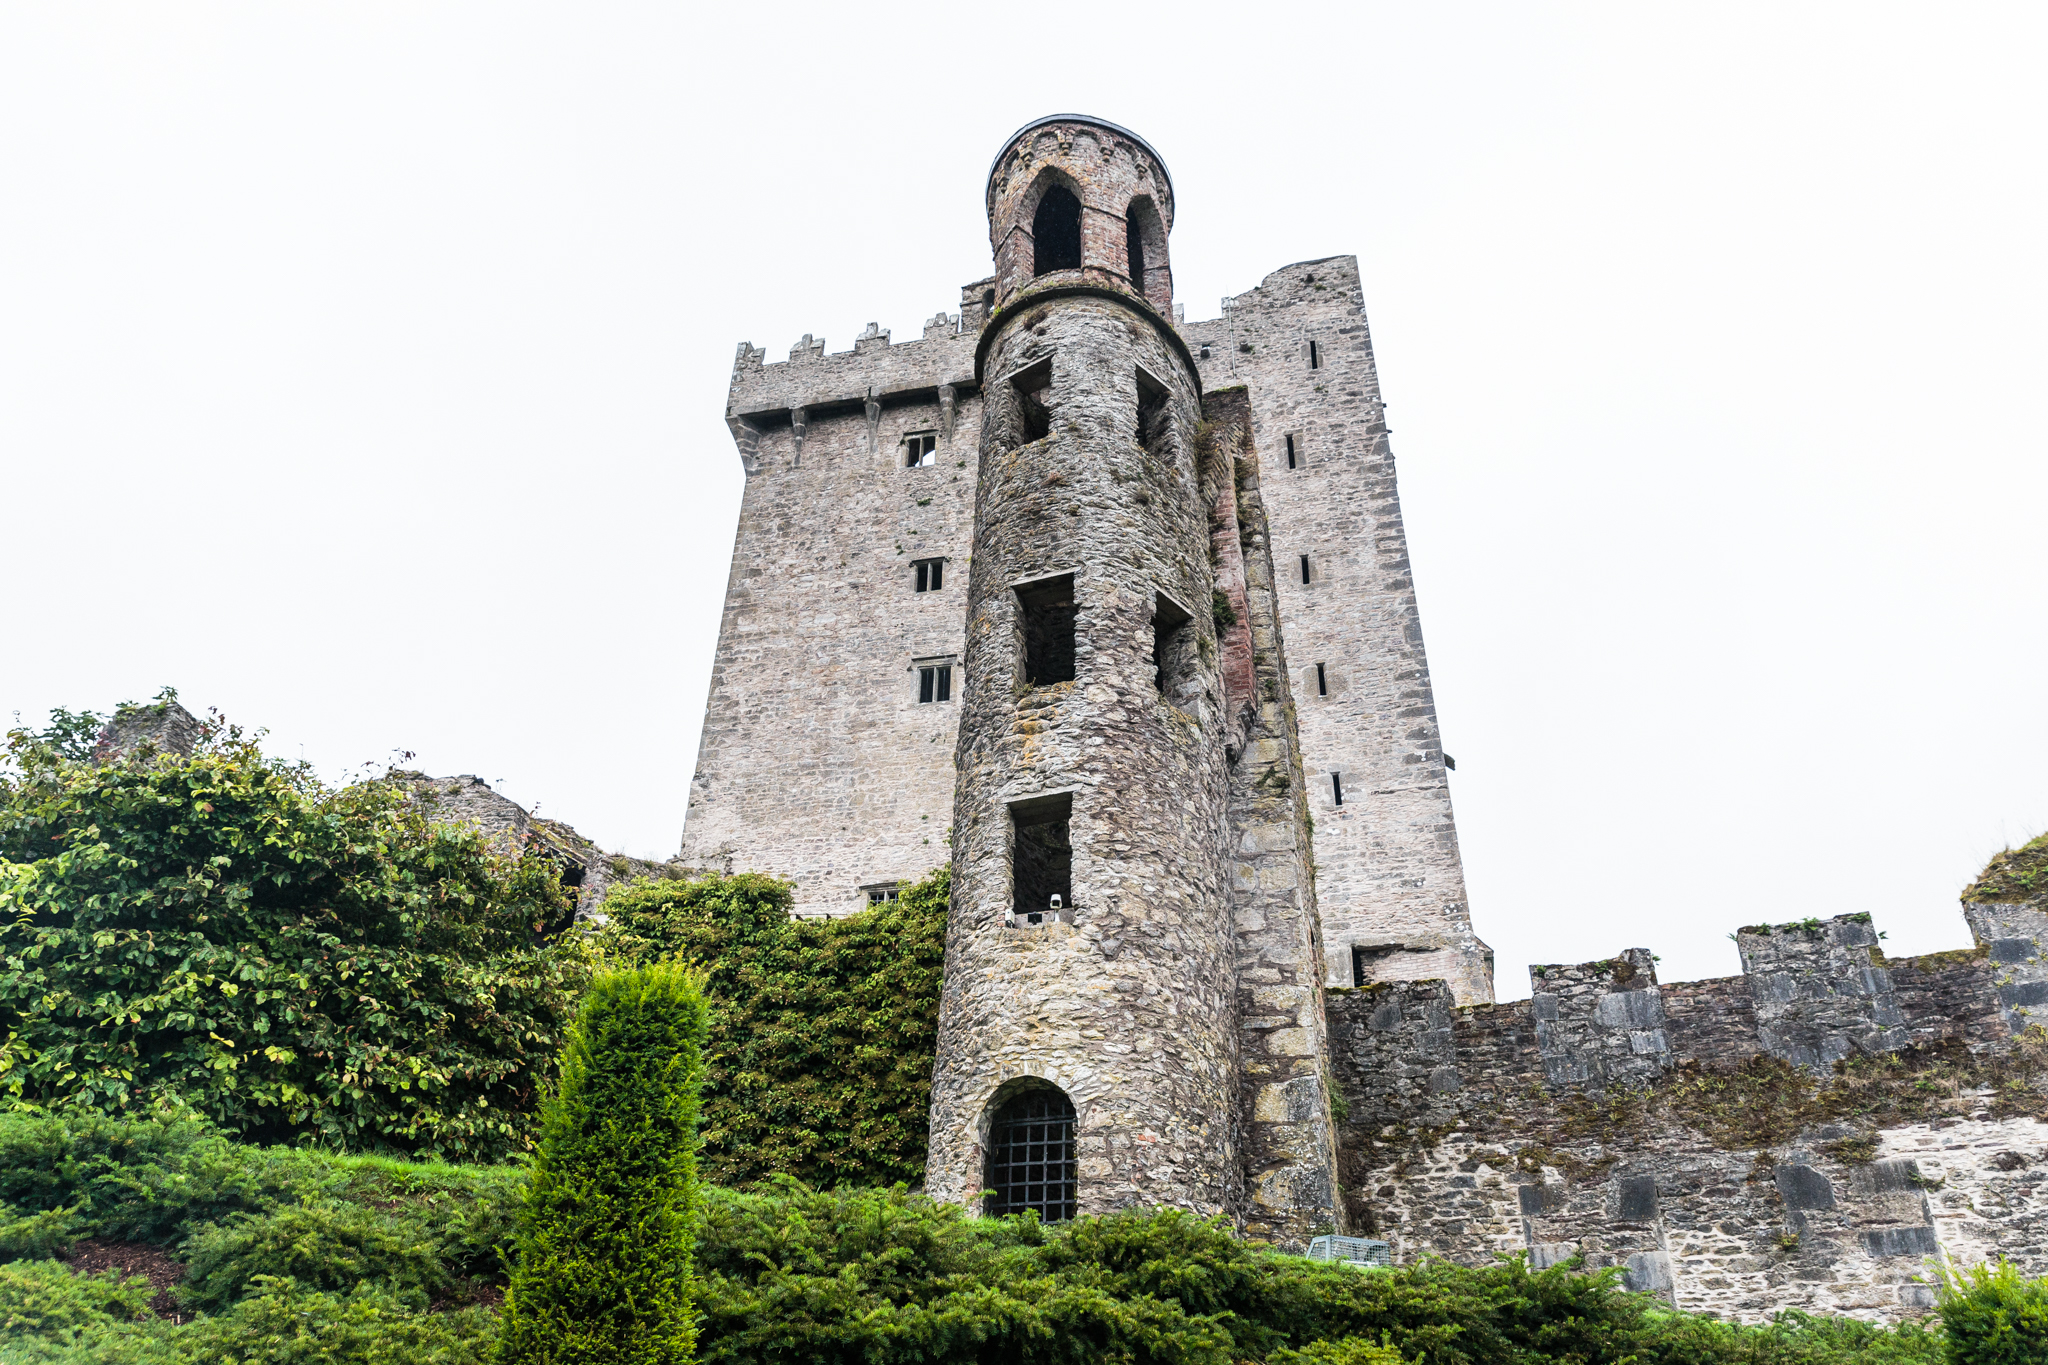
x: 1089, y: 1053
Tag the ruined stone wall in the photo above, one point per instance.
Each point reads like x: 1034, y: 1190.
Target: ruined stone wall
x: 1388, y: 875
x: 818, y: 762
x: 1806, y: 1135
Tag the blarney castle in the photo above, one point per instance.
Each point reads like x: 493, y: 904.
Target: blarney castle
x: 1115, y: 610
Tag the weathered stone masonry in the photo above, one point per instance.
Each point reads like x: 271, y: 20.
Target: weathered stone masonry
x: 1560, y: 1126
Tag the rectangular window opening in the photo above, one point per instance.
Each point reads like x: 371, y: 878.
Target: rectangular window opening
x: 1304, y: 569
x: 880, y: 895
x: 1322, y: 682
x: 1293, y: 455
x: 1151, y: 410
x: 1315, y: 356
x: 1033, y: 388
x: 1042, y: 858
x: 1337, y: 787
x: 921, y: 449
x: 1173, y: 648
x: 935, y: 683
x: 1045, y: 619
x: 931, y: 574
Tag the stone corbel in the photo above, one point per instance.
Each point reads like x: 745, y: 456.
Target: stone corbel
x: 797, y: 422
x: 874, y: 409
x: 747, y: 437
x: 948, y: 401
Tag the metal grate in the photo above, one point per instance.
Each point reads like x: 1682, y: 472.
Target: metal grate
x: 1031, y: 1156
x: 1355, y: 1251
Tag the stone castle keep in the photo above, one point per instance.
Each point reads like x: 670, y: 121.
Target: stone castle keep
x: 1114, y: 610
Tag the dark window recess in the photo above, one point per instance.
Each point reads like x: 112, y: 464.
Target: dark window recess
x: 1151, y: 410
x: 1056, y: 232
x: 1337, y: 787
x: 1315, y: 356
x: 931, y: 574
x: 935, y: 683
x: 1205, y: 353
x: 1031, y: 1156
x: 1033, y: 388
x: 1365, y: 963
x: 881, y: 895
x: 1304, y: 568
x: 988, y: 299
x: 1134, y: 243
x: 1041, y: 856
x: 1322, y: 682
x: 921, y: 449
x: 1173, y: 646
x: 1293, y: 455
x: 1045, y: 616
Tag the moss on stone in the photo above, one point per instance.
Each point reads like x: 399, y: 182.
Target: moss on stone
x: 2017, y: 874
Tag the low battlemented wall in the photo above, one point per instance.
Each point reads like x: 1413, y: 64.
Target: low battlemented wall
x: 1809, y: 1134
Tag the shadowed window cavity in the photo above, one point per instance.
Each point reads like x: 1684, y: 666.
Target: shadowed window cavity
x: 1033, y: 387
x: 1045, y: 619
x: 1041, y: 856
x: 1031, y: 1156
x: 1151, y: 411
x: 1173, y: 649
x: 1144, y: 240
x: 1056, y: 232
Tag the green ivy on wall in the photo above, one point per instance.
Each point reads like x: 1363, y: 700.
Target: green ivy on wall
x: 819, y: 1062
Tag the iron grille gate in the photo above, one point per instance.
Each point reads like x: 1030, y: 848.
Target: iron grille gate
x: 1031, y: 1156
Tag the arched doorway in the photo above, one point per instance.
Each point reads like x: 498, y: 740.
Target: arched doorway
x: 1031, y: 1155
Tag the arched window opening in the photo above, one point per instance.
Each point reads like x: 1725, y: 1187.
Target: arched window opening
x: 1145, y: 241
x: 1031, y: 1156
x: 1134, y: 242
x: 1056, y: 232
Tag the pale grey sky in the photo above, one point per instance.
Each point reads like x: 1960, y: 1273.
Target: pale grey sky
x: 361, y: 373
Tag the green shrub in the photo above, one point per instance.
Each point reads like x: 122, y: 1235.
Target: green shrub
x: 326, y: 1245
x: 292, y: 962
x: 286, y: 1324
x: 605, y: 1240
x: 819, y: 1060
x: 1993, y: 1316
x: 44, y: 1299
x: 1354, y: 1351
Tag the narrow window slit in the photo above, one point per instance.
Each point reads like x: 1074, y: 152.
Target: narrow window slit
x: 1033, y: 389
x: 1173, y: 647
x: 1056, y: 232
x: 1315, y: 356
x: 1337, y: 787
x: 1322, y: 682
x: 1304, y: 568
x: 1042, y: 859
x: 1151, y: 410
x: 1291, y: 456
x: 1045, y: 618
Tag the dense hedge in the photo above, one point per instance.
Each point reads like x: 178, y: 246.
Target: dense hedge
x: 819, y: 1061
x: 294, y: 962
x: 790, y: 1274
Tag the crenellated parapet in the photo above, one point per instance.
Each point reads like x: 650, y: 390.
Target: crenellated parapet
x: 1805, y: 1134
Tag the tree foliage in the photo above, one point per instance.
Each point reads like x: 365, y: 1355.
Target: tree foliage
x: 605, y: 1240
x: 292, y: 961
x: 819, y: 1061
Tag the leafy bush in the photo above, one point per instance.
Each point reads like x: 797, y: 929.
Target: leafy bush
x: 325, y: 1245
x: 819, y: 1060
x: 43, y: 1299
x: 606, y: 1237
x: 294, y: 963
x: 1992, y: 1316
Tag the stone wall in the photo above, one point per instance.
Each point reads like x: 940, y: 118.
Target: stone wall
x: 818, y: 762
x: 1388, y: 877
x: 1806, y: 1135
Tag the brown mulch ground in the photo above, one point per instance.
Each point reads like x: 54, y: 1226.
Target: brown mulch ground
x: 92, y: 1256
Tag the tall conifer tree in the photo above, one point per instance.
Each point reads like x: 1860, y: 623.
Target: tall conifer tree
x: 604, y: 1274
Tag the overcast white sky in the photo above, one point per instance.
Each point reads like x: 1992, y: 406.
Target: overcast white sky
x: 362, y: 368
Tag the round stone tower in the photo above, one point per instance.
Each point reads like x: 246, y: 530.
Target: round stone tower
x: 1087, y: 1055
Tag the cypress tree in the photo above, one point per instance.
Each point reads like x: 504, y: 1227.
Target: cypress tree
x: 604, y: 1274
